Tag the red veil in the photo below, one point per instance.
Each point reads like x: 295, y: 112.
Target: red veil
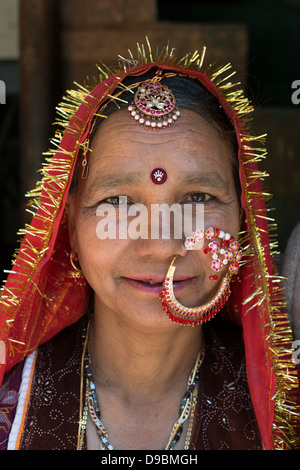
x: 39, y: 298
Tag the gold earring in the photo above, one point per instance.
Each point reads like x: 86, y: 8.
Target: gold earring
x: 76, y: 273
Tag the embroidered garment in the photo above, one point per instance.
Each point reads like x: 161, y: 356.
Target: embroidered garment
x: 224, y: 419
x: 9, y: 401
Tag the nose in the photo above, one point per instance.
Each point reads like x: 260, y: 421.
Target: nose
x: 163, y: 249
x: 163, y: 232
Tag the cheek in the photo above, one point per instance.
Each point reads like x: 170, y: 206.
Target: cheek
x: 99, y: 258
x: 227, y: 222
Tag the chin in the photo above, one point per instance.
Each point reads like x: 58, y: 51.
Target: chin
x: 148, y: 318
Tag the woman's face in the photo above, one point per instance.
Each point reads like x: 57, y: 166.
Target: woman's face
x: 199, y: 171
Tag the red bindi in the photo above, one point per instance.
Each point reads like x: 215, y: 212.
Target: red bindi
x: 158, y: 175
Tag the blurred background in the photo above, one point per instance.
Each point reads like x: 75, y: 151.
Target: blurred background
x: 46, y: 45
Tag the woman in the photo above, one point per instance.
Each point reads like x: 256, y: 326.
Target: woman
x: 93, y: 289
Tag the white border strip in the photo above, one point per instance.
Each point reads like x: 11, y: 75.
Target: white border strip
x: 26, y: 375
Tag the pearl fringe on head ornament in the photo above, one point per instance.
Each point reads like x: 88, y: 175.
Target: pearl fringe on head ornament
x: 177, y: 312
x: 154, y: 105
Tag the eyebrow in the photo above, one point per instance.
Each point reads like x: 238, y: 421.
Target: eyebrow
x: 211, y: 179
x: 114, y: 181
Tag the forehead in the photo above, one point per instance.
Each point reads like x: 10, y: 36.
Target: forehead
x: 191, y: 141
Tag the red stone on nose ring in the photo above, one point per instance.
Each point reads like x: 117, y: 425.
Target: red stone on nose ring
x: 158, y: 175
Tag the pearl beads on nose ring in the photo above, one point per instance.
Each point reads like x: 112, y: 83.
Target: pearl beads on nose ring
x: 224, y: 253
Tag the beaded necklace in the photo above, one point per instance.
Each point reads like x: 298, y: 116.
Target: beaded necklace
x: 187, y: 406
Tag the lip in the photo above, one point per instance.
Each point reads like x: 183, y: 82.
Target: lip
x: 139, y: 283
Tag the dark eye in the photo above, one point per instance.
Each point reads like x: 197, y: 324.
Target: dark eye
x: 199, y: 197
x: 114, y: 200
